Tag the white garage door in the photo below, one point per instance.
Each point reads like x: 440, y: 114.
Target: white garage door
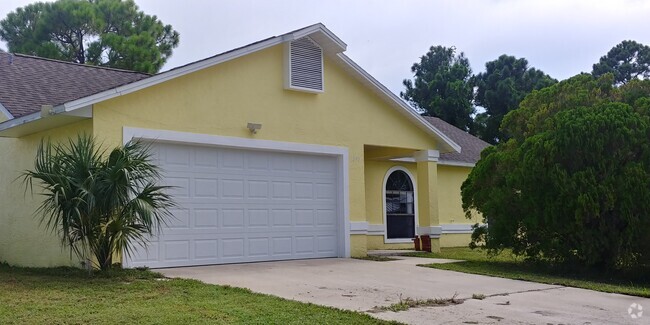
x: 244, y: 206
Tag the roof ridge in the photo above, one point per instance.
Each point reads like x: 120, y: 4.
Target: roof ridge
x: 426, y: 117
x: 27, y: 56
x: 319, y: 24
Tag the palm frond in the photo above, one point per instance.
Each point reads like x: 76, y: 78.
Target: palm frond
x: 97, y: 203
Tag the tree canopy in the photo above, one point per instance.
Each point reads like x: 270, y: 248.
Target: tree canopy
x: 441, y: 86
x: 500, y: 89
x: 627, y: 61
x: 110, y: 33
x: 568, y: 185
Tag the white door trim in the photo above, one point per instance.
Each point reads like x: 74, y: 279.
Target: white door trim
x: 341, y: 153
x: 383, y: 205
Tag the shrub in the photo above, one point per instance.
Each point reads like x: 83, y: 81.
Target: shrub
x: 572, y: 184
x: 99, y: 204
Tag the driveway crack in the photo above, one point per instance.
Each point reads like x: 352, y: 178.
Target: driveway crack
x: 523, y: 291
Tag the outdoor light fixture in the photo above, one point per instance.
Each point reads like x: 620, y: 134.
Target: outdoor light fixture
x: 254, y: 127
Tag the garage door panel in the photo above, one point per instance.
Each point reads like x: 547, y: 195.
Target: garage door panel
x: 206, y: 187
x: 326, y: 244
x: 304, y: 245
x: 232, y: 188
x: 211, y: 217
x: 176, y: 157
x: 146, y: 255
x: 181, y: 219
x: 258, y: 246
x: 180, y: 186
x: 244, y: 206
x: 232, y: 160
x: 232, y: 247
x: 176, y: 250
x: 205, y: 249
x: 206, y: 218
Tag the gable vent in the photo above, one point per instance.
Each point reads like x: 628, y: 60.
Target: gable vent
x: 305, y: 66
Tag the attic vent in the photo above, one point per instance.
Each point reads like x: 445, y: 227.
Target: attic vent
x: 305, y: 66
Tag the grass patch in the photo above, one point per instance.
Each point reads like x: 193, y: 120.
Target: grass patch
x: 478, y: 296
x: 376, y: 258
x: 408, y: 303
x: 506, y: 265
x: 68, y: 295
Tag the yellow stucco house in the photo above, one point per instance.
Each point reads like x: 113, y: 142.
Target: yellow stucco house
x: 281, y: 149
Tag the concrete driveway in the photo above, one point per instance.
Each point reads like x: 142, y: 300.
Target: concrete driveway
x: 361, y: 285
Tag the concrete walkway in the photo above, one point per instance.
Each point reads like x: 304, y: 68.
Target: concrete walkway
x: 361, y: 285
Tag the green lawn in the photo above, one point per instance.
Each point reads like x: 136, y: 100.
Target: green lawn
x: 71, y: 296
x: 506, y: 265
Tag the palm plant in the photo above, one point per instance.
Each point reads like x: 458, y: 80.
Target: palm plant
x: 99, y: 203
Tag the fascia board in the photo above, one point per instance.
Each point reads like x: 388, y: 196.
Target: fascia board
x: 19, y: 121
x: 6, y: 112
x: 168, y: 75
x: 455, y: 163
x: 322, y: 29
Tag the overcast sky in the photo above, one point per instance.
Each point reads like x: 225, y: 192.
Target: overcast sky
x: 562, y: 38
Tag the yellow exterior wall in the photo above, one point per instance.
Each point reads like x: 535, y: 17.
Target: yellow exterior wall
x: 222, y: 99
x: 450, y: 179
x: 377, y: 242
x: 358, y: 245
x: 375, y: 172
x: 22, y: 240
x: 455, y: 240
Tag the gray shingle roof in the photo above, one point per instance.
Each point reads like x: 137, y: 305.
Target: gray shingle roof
x: 27, y: 82
x: 471, y: 146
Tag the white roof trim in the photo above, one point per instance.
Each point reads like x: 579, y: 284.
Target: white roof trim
x: 20, y: 121
x: 314, y: 29
x: 410, y: 113
x: 168, y: 75
x: 405, y: 108
x: 455, y: 163
x: 192, y: 67
x: 6, y: 112
x: 440, y: 162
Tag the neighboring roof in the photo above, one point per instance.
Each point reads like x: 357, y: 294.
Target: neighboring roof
x: 27, y: 82
x: 471, y: 145
x: 331, y: 44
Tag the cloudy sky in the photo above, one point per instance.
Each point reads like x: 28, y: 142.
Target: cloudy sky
x: 560, y: 37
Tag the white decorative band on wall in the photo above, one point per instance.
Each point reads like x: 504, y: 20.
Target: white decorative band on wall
x: 457, y: 229
x: 432, y: 231
x: 364, y: 228
x: 376, y: 229
x: 358, y: 228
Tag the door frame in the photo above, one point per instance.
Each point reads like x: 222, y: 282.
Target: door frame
x: 341, y: 153
x: 415, y: 205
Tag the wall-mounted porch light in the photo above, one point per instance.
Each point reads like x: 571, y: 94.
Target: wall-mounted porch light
x: 254, y: 127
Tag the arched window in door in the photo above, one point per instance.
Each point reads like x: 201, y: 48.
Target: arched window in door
x: 400, y: 206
